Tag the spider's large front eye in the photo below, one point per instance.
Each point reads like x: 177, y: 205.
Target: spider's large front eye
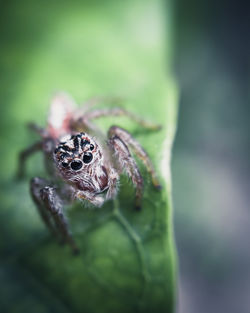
x: 87, y: 158
x: 76, y: 165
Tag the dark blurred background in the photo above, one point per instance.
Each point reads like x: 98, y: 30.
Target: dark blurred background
x: 211, y: 156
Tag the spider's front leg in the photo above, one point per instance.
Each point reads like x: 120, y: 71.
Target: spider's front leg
x: 126, y: 162
x: 50, y: 208
x: 116, y: 131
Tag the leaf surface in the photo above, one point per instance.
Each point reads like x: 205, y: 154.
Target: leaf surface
x: 127, y: 260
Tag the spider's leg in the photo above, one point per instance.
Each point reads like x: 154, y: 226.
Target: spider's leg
x: 96, y: 200
x: 54, y: 205
x: 97, y: 100
x: 37, y: 129
x: 126, y: 162
x: 85, y: 106
x: 81, y: 124
x: 23, y: 156
x: 81, y: 119
x: 117, y: 111
x: 36, y: 184
x: 138, y: 150
x: 50, y: 208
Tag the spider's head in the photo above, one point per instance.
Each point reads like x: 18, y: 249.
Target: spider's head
x: 76, y: 154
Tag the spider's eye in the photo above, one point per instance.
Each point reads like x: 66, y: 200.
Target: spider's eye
x: 87, y: 158
x: 76, y: 165
x: 65, y: 164
x: 64, y: 155
x: 91, y: 147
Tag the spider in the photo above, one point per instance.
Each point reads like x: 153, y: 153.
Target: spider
x: 82, y: 163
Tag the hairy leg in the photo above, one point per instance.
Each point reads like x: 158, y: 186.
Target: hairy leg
x: 82, y: 117
x: 127, y: 163
x: 95, y: 101
x: 38, y: 129
x: 139, y: 151
x: 83, y: 125
x: 36, y: 184
x: 50, y: 208
x: 24, y: 155
x: 117, y: 111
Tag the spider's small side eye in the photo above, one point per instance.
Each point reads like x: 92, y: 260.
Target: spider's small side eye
x: 64, y: 155
x: 64, y: 164
x: 91, y: 147
x: 76, y: 165
x: 87, y: 158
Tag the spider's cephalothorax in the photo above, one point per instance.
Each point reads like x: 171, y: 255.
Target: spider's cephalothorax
x: 79, y: 160
x: 89, y: 168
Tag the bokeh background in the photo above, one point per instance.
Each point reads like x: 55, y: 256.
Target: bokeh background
x: 211, y: 156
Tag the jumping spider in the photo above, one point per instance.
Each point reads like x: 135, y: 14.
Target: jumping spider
x: 87, y: 167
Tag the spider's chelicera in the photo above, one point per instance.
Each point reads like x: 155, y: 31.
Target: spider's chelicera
x: 88, y: 164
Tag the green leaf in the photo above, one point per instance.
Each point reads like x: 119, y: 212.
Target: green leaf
x: 127, y: 259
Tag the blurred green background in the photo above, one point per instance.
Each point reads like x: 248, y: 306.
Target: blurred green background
x: 89, y: 49
x: 211, y: 156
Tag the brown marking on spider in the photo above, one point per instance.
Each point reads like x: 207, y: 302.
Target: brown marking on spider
x: 89, y: 166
